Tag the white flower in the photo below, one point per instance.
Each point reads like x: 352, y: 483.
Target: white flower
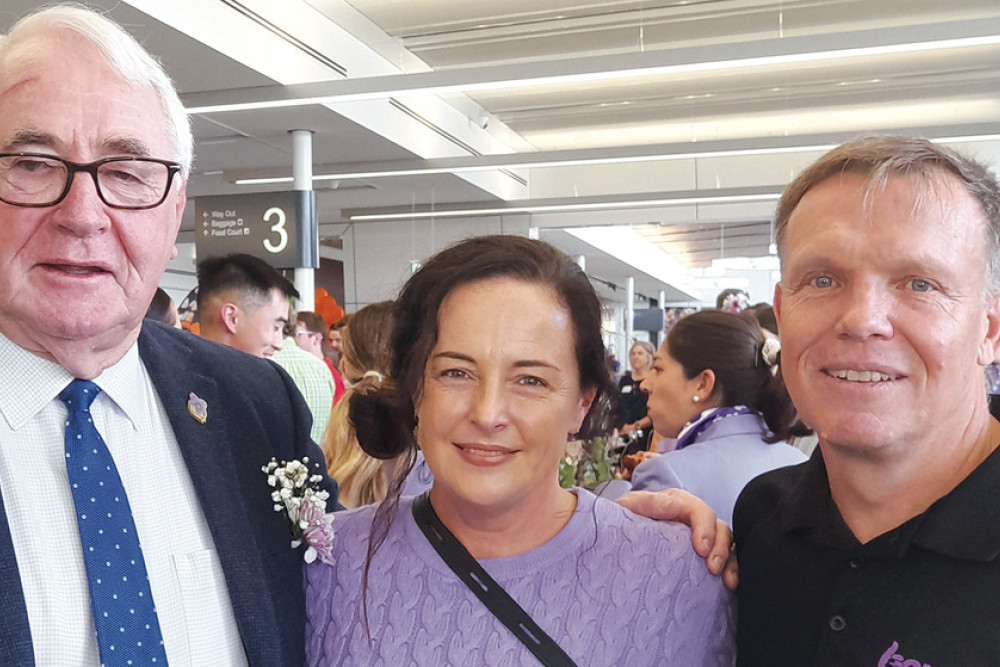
x: 574, y: 451
x: 297, y: 493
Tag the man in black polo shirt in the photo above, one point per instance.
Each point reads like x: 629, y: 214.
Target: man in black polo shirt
x: 882, y: 550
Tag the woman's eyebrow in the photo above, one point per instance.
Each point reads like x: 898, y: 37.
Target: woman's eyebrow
x: 447, y: 354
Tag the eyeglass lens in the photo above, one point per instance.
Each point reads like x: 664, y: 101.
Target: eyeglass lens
x: 38, y: 181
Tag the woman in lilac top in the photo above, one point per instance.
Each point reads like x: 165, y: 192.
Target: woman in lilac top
x: 499, y: 361
x: 713, y: 387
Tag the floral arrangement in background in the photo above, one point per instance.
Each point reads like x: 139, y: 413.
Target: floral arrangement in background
x: 736, y: 303
x: 297, y: 493
x: 586, y: 464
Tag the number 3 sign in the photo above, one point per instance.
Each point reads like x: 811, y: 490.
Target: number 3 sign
x: 277, y: 227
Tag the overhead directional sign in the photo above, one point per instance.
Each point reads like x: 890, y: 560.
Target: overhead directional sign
x: 274, y: 226
x: 648, y: 319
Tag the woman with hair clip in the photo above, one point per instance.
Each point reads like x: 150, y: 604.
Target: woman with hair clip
x: 498, y: 360
x: 713, y: 386
x: 365, y: 356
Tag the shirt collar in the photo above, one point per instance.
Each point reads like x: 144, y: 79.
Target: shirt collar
x: 809, y: 506
x: 122, y: 383
x: 958, y: 525
x: 290, y: 348
x: 714, y: 422
x: 963, y: 523
x: 705, y: 414
x: 125, y: 384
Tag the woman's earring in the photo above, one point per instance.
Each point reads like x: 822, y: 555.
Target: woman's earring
x: 695, y: 398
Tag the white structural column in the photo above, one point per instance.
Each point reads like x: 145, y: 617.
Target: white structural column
x: 302, y: 172
x: 629, y: 312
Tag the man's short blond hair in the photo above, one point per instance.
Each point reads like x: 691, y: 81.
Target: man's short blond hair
x: 878, y: 158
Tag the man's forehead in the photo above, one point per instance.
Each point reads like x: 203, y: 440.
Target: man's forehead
x: 36, y: 65
x: 281, y: 306
x: 936, y: 194
x: 34, y: 137
x: 932, y: 225
x: 21, y: 55
x: 21, y: 51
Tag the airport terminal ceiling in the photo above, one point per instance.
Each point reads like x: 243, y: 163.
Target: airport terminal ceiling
x: 675, y: 122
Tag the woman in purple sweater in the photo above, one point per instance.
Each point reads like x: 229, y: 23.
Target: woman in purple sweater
x: 499, y: 360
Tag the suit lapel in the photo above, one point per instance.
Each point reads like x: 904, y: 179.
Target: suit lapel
x: 15, y: 633
x: 207, y: 451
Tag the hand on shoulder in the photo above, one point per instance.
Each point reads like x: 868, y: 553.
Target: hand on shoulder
x: 711, y: 537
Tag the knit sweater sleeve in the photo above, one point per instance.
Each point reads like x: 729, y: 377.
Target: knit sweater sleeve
x: 611, y: 588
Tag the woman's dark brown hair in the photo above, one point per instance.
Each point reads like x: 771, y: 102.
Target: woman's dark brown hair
x: 384, y: 421
x: 731, y: 347
x: 389, y: 430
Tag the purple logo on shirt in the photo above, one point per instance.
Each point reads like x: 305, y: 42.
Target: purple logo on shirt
x: 892, y: 659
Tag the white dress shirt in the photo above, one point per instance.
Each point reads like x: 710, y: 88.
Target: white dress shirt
x: 193, y: 607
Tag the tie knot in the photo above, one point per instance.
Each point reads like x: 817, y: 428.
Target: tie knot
x: 79, y: 394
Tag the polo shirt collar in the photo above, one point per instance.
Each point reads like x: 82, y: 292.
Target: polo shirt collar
x: 959, y: 525
x: 122, y: 382
x: 963, y: 523
x: 809, y: 507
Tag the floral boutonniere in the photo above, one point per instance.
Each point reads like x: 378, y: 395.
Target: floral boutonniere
x: 297, y: 493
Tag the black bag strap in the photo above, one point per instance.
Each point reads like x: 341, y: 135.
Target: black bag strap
x: 486, y: 589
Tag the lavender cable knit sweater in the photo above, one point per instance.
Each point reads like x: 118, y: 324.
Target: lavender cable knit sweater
x: 635, y: 593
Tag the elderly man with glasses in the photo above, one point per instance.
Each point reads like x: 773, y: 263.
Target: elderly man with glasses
x: 136, y: 524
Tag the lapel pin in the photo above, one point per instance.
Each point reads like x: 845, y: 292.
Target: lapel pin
x: 197, y: 408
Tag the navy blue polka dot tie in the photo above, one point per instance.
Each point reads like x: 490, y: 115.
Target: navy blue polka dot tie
x: 128, y: 632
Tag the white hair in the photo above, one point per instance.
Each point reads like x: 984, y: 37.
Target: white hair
x: 124, y: 55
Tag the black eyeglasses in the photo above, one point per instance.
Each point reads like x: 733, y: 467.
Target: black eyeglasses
x: 131, y: 183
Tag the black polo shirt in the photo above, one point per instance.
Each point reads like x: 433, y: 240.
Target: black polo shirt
x: 926, y: 594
